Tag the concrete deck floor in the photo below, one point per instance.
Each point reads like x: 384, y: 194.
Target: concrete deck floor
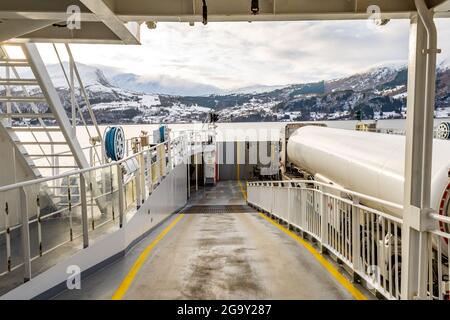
x: 217, y: 256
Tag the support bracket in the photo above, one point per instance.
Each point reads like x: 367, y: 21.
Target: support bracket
x: 421, y: 219
x: 431, y: 51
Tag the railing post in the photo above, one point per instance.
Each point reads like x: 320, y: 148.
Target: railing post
x: 121, y: 195
x: 323, y: 220
x: 137, y: 177
x: 25, y: 234
x: 169, y: 155
x: 356, y: 238
x: 142, y: 177
x: 289, y: 206
x: 150, y: 172
x: 158, y: 161
x: 272, y: 188
x: 84, y: 213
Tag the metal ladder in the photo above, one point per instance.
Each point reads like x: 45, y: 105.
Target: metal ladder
x: 34, y: 119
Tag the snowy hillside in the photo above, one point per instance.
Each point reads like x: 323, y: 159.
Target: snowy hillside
x: 378, y: 93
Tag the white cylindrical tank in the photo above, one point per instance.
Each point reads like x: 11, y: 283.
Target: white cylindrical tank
x: 366, y: 162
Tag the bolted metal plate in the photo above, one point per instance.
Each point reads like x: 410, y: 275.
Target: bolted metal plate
x: 217, y: 209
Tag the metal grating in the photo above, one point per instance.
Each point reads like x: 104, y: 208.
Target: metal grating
x: 217, y: 209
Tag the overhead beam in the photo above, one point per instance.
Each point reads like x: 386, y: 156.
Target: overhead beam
x: 15, y: 28
x: 109, y: 18
x: 30, y: 20
x: 90, y: 32
x: 444, y: 6
x: 114, y: 12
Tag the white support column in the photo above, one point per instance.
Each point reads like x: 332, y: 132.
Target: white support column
x: 418, y: 160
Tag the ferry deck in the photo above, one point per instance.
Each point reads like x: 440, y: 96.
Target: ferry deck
x: 142, y: 218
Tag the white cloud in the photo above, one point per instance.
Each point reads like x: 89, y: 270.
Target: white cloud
x: 235, y: 55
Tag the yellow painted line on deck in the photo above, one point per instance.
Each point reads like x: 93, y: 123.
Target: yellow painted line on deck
x: 244, y: 193
x: 358, y: 295
x: 128, y: 280
x: 238, y: 172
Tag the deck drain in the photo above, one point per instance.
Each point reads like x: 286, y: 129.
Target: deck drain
x: 217, y: 209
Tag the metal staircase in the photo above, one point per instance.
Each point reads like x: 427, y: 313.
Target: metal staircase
x: 33, y: 118
x: 30, y: 106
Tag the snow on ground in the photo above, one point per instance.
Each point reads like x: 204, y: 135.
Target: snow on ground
x: 400, y: 95
x: 116, y: 105
x: 150, y: 100
x: 442, y: 112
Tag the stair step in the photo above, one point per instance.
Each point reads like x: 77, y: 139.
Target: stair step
x: 21, y: 99
x: 6, y: 62
x: 42, y: 142
x: 50, y: 155
x: 63, y: 187
x: 56, y: 167
x: 65, y: 195
x: 26, y: 115
x: 35, y: 129
x: 18, y: 82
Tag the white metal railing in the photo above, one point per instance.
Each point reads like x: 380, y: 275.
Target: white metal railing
x: 402, y: 132
x: 437, y: 255
x: 366, y: 240
x: 94, y: 198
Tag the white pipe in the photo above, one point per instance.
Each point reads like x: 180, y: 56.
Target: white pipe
x: 365, y: 162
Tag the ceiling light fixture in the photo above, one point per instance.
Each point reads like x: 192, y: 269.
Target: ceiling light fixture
x: 205, y: 13
x: 255, y: 6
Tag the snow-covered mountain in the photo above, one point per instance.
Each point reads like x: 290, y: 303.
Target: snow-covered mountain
x: 126, y: 98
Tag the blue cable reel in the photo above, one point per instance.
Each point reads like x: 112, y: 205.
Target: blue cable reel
x: 114, y: 139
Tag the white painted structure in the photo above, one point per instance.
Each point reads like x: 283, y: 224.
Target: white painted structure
x: 365, y: 162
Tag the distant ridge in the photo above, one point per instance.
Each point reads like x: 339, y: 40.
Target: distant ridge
x: 379, y: 93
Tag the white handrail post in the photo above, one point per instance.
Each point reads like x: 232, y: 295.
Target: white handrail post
x: 169, y: 155
x: 289, y: 206
x: 142, y: 177
x: 196, y: 161
x: 272, y: 188
x: 137, y: 177
x: 84, y: 216
x: 121, y: 194
x: 150, y: 172
x: 356, y: 237
x: 25, y: 234
x: 323, y: 220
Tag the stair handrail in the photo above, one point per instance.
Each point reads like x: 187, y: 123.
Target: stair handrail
x: 84, y: 95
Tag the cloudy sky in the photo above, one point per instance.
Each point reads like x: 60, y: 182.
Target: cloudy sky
x: 237, y: 55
